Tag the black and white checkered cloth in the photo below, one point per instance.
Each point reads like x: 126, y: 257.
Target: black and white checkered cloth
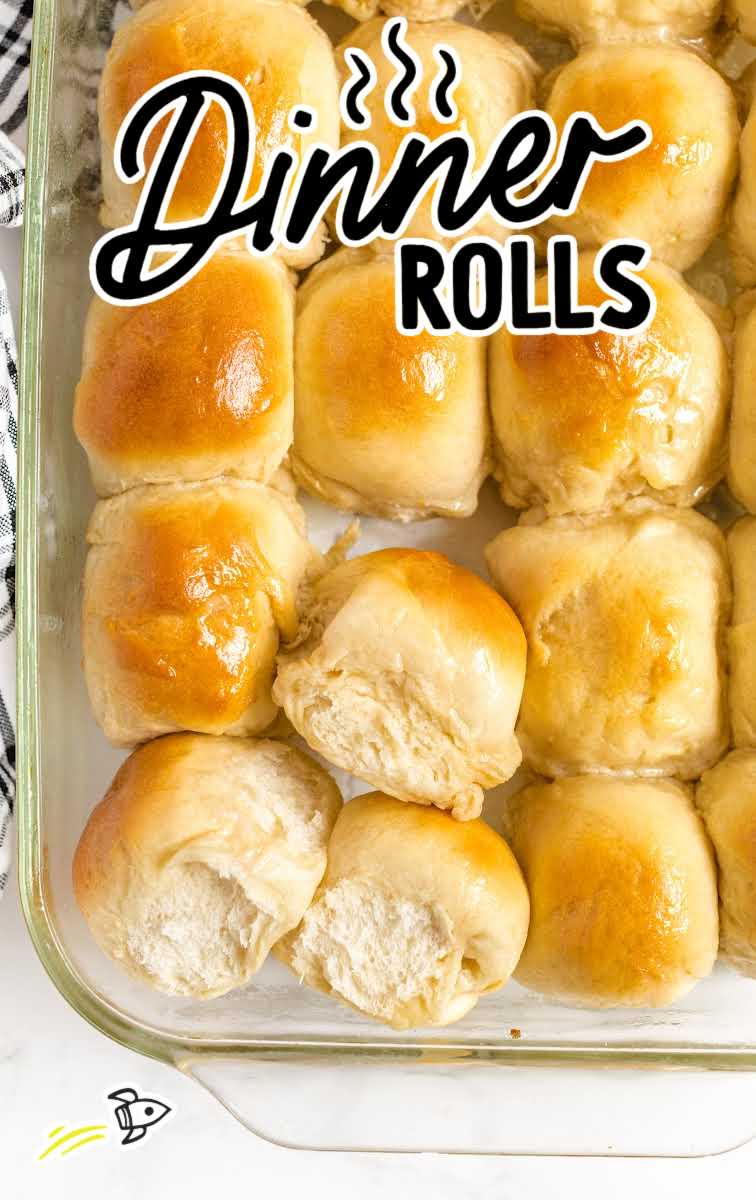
x: 15, y: 51
x: 15, y: 43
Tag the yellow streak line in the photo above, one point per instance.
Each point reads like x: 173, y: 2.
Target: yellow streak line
x: 94, y: 1137
x: 67, y: 1137
x: 54, y: 1131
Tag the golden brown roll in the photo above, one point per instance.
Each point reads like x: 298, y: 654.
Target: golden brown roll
x: 625, y: 617
x: 726, y: 797
x: 497, y: 81
x: 742, y: 230
x: 413, y: 10
x: 409, y: 675
x: 362, y: 10
x: 198, y: 384
x: 673, y: 193
x: 384, y: 423
x: 622, y: 20
x: 742, y: 14
x: 417, y: 917
x: 623, y: 891
x: 277, y: 52
x: 741, y: 543
x: 742, y: 463
x: 187, y: 589
x: 585, y: 421
x: 202, y: 854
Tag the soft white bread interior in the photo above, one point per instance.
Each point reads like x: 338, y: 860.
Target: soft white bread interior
x: 622, y: 20
x: 203, y: 853
x: 623, y: 890
x: 741, y: 543
x: 198, y: 384
x: 409, y: 676
x: 187, y: 589
x: 497, y: 81
x: 274, y: 49
x: 385, y: 423
x: 673, y: 193
x: 726, y: 798
x: 742, y: 468
x: 625, y: 617
x: 583, y: 422
x: 417, y: 916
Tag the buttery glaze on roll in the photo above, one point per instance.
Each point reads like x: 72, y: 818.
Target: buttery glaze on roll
x: 673, y: 193
x: 276, y: 51
x: 497, y: 82
x: 363, y: 10
x: 187, y: 589
x: 742, y: 231
x: 741, y: 543
x: 726, y: 798
x: 583, y: 422
x: 198, y: 384
x: 409, y: 675
x: 386, y: 424
x: 413, y: 10
x: 623, y: 891
x: 417, y: 917
x: 202, y: 854
x: 742, y: 465
x: 622, y: 20
x: 625, y: 618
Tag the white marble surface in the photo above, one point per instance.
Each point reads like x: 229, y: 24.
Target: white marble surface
x: 56, y: 1070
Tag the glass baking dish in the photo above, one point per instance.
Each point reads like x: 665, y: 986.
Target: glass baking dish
x: 293, y: 1065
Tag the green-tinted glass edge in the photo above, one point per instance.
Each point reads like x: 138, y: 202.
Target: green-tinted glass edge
x: 30, y: 853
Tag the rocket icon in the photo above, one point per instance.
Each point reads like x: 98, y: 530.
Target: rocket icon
x: 135, y: 1115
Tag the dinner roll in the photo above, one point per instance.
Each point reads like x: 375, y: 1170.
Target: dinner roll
x: 585, y: 421
x: 194, y: 385
x: 202, y: 854
x: 742, y: 230
x: 741, y: 542
x: 618, y: 20
x: 673, y: 193
x: 413, y: 10
x: 497, y: 81
x: 186, y: 591
x: 409, y: 676
x: 742, y: 463
x: 742, y: 13
x: 623, y: 891
x: 384, y: 423
x: 417, y: 917
x: 276, y: 51
x: 726, y: 798
x: 624, y: 616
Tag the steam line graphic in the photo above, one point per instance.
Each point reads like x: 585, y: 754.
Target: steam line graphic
x: 408, y: 72
x: 445, y: 82
x: 362, y: 80
x: 84, y: 1134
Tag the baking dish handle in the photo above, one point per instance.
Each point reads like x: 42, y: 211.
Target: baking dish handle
x: 483, y: 1108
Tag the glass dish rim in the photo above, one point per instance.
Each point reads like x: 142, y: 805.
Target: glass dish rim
x: 176, y: 1049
